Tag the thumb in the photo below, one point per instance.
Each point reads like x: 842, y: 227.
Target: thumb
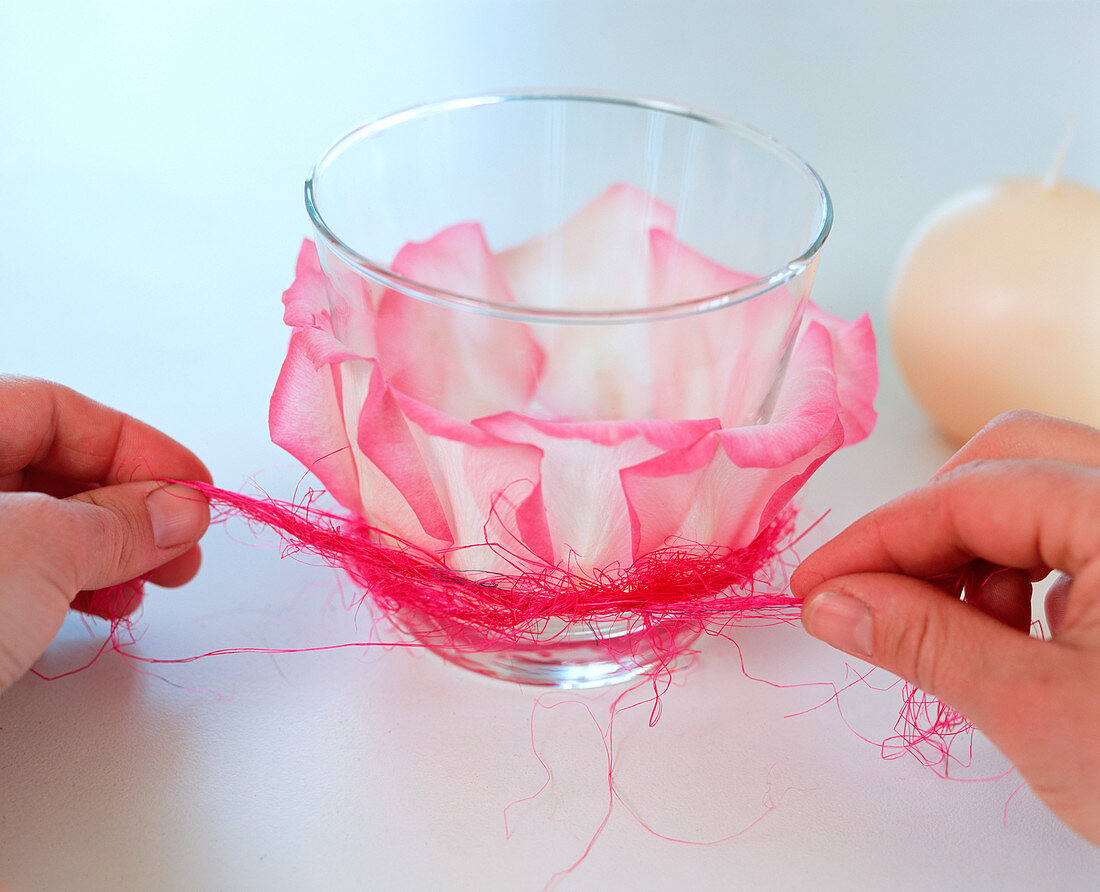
x: 121, y: 532
x: 50, y: 549
x: 914, y: 629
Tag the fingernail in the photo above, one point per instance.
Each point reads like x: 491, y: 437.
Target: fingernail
x: 178, y: 515
x: 842, y: 621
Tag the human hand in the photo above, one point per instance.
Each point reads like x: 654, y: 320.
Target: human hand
x: 1019, y: 500
x: 69, y: 527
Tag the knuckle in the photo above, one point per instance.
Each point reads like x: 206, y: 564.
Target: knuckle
x: 920, y: 652
x: 1015, y: 417
x: 1003, y: 425
x: 114, y: 535
x: 979, y: 465
x: 1003, y: 429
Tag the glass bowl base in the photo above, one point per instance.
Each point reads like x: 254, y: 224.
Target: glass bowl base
x: 579, y: 656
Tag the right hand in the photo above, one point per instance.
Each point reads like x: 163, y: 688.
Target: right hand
x: 1019, y: 500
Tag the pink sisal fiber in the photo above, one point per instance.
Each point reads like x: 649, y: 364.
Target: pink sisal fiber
x: 928, y: 730
x: 708, y: 589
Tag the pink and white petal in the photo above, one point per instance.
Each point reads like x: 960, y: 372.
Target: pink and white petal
x: 387, y: 443
x: 322, y: 346
x: 721, y: 362
x: 586, y: 509
x: 727, y: 487
x: 489, y: 489
x: 594, y: 373
x: 826, y: 403
x: 760, y: 468
x: 806, y: 409
x: 306, y: 419
x: 338, y: 323
x: 308, y: 294
x: 662, y: 433
x: 832, y: 379
x: 856, y: 365
x: 701, y: 495
x: 679, y: 273
x: 747, y: 394
x: 353, y: 300
x: 361, y: 486
x: 461, y: 362
x: 595, y: 260
x: 735, y: 503
x: 661, y: 491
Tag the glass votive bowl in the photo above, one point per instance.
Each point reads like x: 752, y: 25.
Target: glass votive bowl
x: 537, y: 292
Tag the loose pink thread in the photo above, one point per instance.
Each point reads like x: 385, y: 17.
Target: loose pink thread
x: 708, y: 589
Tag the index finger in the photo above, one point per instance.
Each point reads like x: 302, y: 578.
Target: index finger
x: 1026, y: 434
x: 47, y: 429
x: 1010, y: 513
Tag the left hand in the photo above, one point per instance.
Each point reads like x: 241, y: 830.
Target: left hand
x: 69, y: 526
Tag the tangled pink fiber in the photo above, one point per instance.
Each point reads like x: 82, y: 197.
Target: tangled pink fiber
x: 692, y: 587
x: 705, y: 587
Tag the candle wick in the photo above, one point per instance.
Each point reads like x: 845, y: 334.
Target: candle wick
x: 1051, y: 176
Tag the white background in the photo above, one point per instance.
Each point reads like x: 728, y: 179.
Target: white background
x: 152, y: 161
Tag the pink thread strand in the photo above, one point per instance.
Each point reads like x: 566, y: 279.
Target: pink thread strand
x: 708, y: 589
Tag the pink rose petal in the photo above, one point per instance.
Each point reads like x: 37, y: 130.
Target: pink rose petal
x: 856, y: 370
x: 726, y: 495
x: 463, y: 363
x: 387, y: 443
x: 595, y: 260
x: 337, y: 322
x: 585, y: 504
x: 718, y: 363
x: 309, y: 293
x: 306, y: 419
x: 489, y: 489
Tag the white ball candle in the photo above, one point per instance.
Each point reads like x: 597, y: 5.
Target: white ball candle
x: 996, y: 305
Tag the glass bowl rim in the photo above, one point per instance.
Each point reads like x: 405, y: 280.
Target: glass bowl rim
x: 381, y: 272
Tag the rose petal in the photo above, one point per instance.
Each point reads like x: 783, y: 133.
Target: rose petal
x: 662, y: 433
x: 725, y: 495
x: 306, y: 419
x: 718, y: 363
x: 585, y: 505
x: 679, y: 273
x: 856, y: 368
x: 807, y: 408
x: 595, y: 260
x: 461, y: 362
x: 391, y: 456
x: 489, y: 489
x: 337, y: 322
x: 309, y: 293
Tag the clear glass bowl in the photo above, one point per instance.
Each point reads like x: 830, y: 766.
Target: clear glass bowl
x: 620, y: 332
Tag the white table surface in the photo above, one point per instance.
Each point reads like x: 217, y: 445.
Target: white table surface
x: 153, y: 155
